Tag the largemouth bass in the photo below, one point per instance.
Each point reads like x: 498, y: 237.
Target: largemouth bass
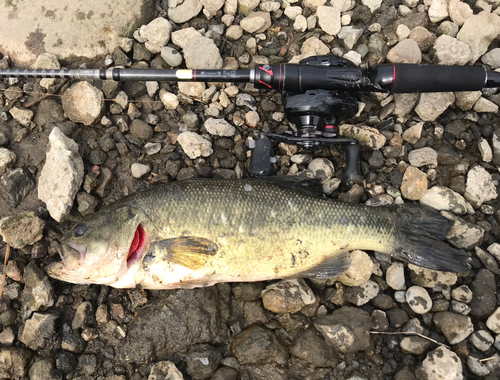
x: 200, y: 232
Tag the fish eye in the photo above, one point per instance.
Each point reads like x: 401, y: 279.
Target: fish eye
x: 80, y: 230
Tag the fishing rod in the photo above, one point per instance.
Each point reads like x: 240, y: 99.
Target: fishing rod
x: 318, y: 94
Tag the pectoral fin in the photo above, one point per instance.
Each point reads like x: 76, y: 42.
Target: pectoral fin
x: 330, y: 267
x: 189, y: 251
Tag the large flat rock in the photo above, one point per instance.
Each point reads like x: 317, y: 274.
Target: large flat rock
x: 72, y: 30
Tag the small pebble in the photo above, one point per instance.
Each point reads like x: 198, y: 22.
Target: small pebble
x: 418, y: 299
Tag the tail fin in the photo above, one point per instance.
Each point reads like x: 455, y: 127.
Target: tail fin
x: 421, y: 233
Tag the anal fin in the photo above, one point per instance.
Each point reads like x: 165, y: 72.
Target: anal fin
x: 330, y: 267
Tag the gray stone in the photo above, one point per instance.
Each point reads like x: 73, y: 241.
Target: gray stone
x: 86, y: 203
x: 202, y: 361
x: 441, y: 363
x: 185, y: 11
x: 406, y: 51
x: 347, y: 329
x: 467, y: 99
x: 83, y: 103
x: 202, y: 53
x: 414, y: 345
x: 483, y: 289
x: 61, y: 175
x: 258, y: 345
x: 459, y: 11
x: 482, y: 340
x: 37, y: 292
x: 432, y: 105
x: 67, y: 30
x: 429, y: 278
x: 22, y: 229
x: 422, y: 37
x: 477, y: 367
x: 22, y: 115
x: 48, y: 111
x: 219, y: 127
x: 17, y: 183
x: 488, y: 260
x: 7, y: 159
x: 418, y: 299
x: 156, y: 34
x: 350, y: 35
x: 44, y: 370
x: 171, y: 56
x: 479, y: 187
x: 361, y: 295
x: 492, y: 58
x: 442, y: 198
x: 423, y: 156
x: 454, y: 327
x: 310, y: 348
x: 462, y: 234
x: 322, y: 168
x: 165, y: 370
x: 256, y: 22
x: 478, y: 31
x: 450, y: 51
x: 462, y: 294
x: 14, y: 362
x: 459, y: 308
x: 38, y: 331
x: 287, y: 296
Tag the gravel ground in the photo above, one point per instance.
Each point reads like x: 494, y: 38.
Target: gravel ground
x: 379, y: 320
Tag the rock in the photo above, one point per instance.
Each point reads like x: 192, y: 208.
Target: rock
x: 430, y: 278
x: 234, y: 32
x: 482, y: 340
x: 169, y: 100
x: 314, y: 4
x: 361, y: 295
x: 432, y: 105
x: 373, y: 5
x: 83, y: 103
x: 485, y: 150
x: 61, y: 175
x: 312, y: 349
x: 22, y: 229
x: 322, y: 168
x: 187, y: 317
x: 287, y: 296
x: 440, y: 364
x: 467, y: 99
x: 492, y: 58
x: 171, y: 56
x: 404, y: 103
x: 438, y: 10
x: 459, y: 11
x: 257, y: 345
x: 454, y: 327
x: 38, y: 332
x: 462, y: 234
x: 256, y: 22
x: 412, y: 134
x: 462, y: 294
x: 478, y: 31
x: 219, y: 127
x: 192, y: 89
x: 476, y: 366
x: 414, y: 345
x: 246, y: 6
x: 22, y: 115
x: 459, y: 308
x: 493, y: 322
x: 211, y: 7
x: 194, y: 145
x: 418, y: 299
x: 185, y: 11
x: 71, y: 341
x: 359, y: 271
x: 494, y: 249
x: 312, y: 46
x: 37, y: 292
x: 479, y: 187
x: 67, y: 31
x: 366, y: 136
x: 156, y: 34
x: 329, y: 19
x: 414, y: 184
x: 483, y: 289
x: 422, y: 157
x: 165, y: 370
x: 292, y: 12
x: 141, y: 129
x: 14, y: 362
x: 395, y: 276
x: 441, y: 198
x: 7, y: 159
x: 182, y: 36
x: 488, y: 260
x: 44, y: 370
x: 406, y: 51
x: 485, y: 105
x: 17, y: 183
x: 350, y: 35
x: 138, y: 170
x: 202, y: 361
x: 202, y: 53
x: 347, y: 329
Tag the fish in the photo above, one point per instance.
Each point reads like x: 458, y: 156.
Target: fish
x: 200, y: 232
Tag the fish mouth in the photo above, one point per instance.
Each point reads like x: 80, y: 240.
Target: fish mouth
x: 137, y: 246
x: 71, y: 254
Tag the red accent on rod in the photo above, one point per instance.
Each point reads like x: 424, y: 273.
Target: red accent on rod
x: 270, y: 72
x: 393, y: 76
x: 264, y: 83
x: 195, y: 75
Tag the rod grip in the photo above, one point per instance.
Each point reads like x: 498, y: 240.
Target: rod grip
x: 436, y: 78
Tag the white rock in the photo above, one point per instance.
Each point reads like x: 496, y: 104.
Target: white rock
x: 329, y: 19
x: 429, y: 278
x: 22, y: 115
x: 342, y: 5
x: 345, y: 20
x: 494, y: 249
x: 363, y: 294
x: 423, y: 156
x: 395, y: 276
x: 202, y: 53
x: 61, y: 175
x: 122, y: 99
x: 312, y: 46
x: 156, y: 34
x: 165, y: 370
x: 152, y: 88
x: 450, y: 51
x: 442, y: 198
x: 46, y: 61
x: 485, y: 105
x: 195, y: 145
x: 182, y: 36
x: 185, y: 11
x: 7, y: 159
x: 360, y: 270
x: 462, y: 294
x: 192, y: 89
x: 171, y: 56
x: 493, y: 322
x: 438, y: 10
x: 354, y: 57
x: 211, y: 7
x: 231, y: 7
x: 412, y: 134
x: 293, y: 12
x: 479, y: 187
x: 287, y: 296
x: 485, y: 149
x: 219, y: 127
x: 234, y: 32
x: 482, y: 340
x: 478, y: 31
x: 432, y: 105
x: 247, y: 6
x: 418, y: 299
x: 492, y: 58
x: 467, y: 99
x: 269, y: 6
x: 402, y: 32
x: 83, y: 103
x: 300, y: 24
x: 138, y: 170
x: 169, y: 100
x: 441, y: 364
x: 256, y: 22
x: 366, y: 136
x: 459, y: 11
x: 476, y: 366
x: 374, y: 5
